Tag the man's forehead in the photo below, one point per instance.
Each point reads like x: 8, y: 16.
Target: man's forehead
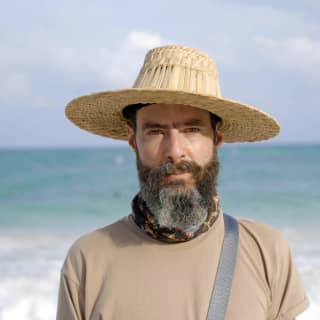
x: 173, y: 123
x: 172, y: 111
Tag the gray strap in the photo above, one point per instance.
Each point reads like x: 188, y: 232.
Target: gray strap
x: 223, y: 282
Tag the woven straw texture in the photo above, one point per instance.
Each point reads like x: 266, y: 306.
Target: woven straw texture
x: 172, y: 75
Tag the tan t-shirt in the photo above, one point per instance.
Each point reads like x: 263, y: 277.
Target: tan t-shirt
x: 120, y: 273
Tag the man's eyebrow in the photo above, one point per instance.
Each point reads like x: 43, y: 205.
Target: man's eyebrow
x: 154, y: 125
x: 191, y: 122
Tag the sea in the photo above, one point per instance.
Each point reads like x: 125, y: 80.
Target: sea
x: 49, y: 197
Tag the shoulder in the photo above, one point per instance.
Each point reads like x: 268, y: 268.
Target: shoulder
x: 263, y: 235
x: 255, y: 227
x: 267, y: 247
x: 106, y: 236
x: 287, y: 294
x: 92, y: 248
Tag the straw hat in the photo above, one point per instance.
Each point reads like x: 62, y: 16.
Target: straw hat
x: 172, y: 75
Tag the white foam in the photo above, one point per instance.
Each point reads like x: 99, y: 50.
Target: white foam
x: 29, y: 299
x: 30, y: 269
x: 312, y: 313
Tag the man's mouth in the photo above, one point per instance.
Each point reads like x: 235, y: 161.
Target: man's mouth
x: 179, y: 175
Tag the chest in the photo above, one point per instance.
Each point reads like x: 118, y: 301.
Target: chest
x: 171, y: 286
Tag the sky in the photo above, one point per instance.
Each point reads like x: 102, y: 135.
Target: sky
x: 267, y: 53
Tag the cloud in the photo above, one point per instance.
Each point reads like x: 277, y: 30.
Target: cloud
x: 107, y: 66
x: 143, y: 40
x: 78, y: 66
x: 126, y: 60
x: 298, y: 52
x: 15, y: 85
x: 16, y: 89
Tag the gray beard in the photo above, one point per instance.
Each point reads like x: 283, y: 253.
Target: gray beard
x: 178, y: 205
x: 176, y: 208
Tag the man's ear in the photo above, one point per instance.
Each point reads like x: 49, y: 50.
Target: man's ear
x: 131, y: 137
x: 218, y: 136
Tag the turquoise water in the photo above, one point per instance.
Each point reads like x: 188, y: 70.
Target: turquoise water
x: 48, y: 198
x: 47, y: 188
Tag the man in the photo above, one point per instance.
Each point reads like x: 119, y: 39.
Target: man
x: 161, y: 261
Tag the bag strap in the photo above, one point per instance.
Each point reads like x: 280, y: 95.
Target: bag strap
x: 223, y: 282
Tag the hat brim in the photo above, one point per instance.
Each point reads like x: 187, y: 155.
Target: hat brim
x: 101, y: 113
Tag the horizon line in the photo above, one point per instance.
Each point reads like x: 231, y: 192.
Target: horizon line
x: 121, y: 145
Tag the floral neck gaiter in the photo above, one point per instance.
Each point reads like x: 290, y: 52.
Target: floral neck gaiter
x: 145, y: 220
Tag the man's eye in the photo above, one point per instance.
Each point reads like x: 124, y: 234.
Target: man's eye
x: 192, y: 129
x: 154, y: 132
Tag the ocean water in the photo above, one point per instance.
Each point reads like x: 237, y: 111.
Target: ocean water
x: 50, y: 197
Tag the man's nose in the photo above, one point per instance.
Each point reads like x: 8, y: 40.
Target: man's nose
x: 174, y: 146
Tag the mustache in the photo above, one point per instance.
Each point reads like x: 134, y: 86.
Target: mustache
x: 156, y: 177
x: 169, y: 168
x: 180, y: 167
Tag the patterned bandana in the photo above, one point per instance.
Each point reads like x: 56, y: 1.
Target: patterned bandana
x: 145, y: 220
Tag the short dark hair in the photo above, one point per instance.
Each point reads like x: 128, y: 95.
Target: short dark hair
x: 130, y: 114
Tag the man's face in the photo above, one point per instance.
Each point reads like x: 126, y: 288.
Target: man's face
x: 177, y: 163
x: 171, y: 133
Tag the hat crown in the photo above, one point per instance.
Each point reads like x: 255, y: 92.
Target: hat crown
x: 179, y: 68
